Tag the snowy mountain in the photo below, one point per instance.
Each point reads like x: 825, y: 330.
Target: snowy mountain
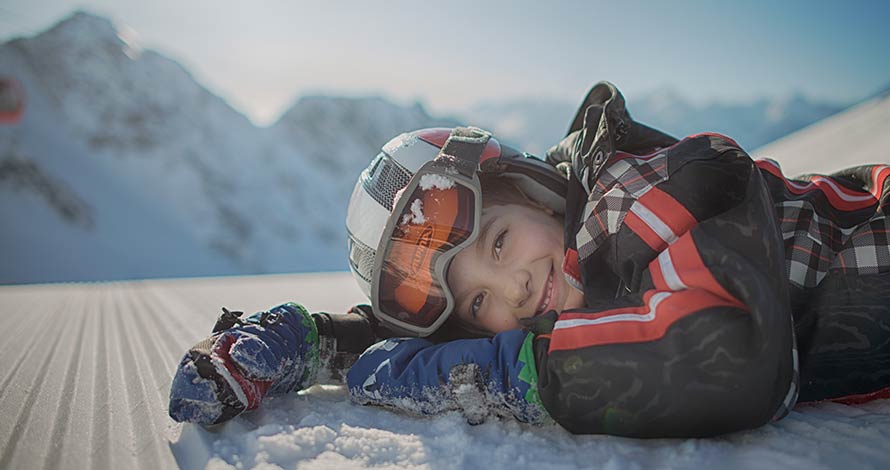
x: 534, y: 125
x: 124, y: 166
x: 340, y: 135
x: 853, y: 137
x: 170, y: 174
x: 751, y: 124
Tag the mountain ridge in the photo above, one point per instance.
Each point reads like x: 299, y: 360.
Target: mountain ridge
x: 141, y: 132
x: 537, y: 124
x: 259, y: 199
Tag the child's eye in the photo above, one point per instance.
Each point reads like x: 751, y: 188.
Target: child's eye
x: 499, y: 243
x: 477, y: 304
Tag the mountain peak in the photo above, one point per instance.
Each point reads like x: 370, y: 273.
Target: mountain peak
x: 90, y: 33
x: 82, y: 23
x: 318, y: 108
x: 663, y: 97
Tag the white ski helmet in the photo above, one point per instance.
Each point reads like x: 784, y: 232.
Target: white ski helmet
x: 416, y: 205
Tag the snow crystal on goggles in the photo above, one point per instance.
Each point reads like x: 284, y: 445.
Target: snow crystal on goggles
x: 436, y: 218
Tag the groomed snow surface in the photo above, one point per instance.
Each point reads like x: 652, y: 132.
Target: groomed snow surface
x: 320, y: 429
x: 86, y: 371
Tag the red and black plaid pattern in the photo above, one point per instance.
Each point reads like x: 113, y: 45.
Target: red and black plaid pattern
x: 853, y: 237
x: 867, y: 250
x: 636, y: 174
x: 811, y: 242
x: 626, y: 179
x: 602, y: 217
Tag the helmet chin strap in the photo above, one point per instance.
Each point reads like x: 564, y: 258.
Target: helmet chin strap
x: 464, y: 149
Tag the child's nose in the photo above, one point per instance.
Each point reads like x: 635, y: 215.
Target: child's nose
x: 517, y: 290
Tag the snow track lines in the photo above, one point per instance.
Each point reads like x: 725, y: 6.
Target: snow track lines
x: 83, y: 415
x: 81, y: 392
x: 86, y: 368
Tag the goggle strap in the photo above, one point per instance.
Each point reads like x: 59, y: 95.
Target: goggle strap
x: 464, y: 149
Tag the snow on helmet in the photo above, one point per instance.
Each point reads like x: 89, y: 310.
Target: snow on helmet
x: 416, y: 205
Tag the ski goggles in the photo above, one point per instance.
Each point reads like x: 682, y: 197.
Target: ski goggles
x: 436, y: 217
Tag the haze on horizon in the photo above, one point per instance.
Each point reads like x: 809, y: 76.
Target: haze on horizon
x: 457, y: 54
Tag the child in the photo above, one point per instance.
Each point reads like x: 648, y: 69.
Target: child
x: 636, y: 285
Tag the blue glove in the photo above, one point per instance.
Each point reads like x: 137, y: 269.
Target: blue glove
x: 478, y: 377
x: 270, y: 352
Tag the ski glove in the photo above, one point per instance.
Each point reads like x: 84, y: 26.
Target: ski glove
x: 478, y: 377
x: 270, y: 352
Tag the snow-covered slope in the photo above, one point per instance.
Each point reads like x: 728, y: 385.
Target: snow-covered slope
x: 856, y: 136
x: 234, y: 198
x: 750, y: 124
x: 68, y: 217
x: 86, y: 370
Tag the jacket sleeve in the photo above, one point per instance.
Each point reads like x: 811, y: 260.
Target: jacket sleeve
x: 702, y: 342
x: 477, y: 377
x: 343, y: 337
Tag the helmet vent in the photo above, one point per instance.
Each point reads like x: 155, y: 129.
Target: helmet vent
x: 385, y: 178
x: 361, y: 258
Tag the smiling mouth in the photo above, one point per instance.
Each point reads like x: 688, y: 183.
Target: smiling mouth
x: 547, y: 295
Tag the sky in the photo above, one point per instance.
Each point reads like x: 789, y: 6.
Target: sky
x: 262, y: 55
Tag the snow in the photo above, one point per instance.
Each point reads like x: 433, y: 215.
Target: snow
x: 416, y: 216
x: 319, y: 428
x: 106, y: 219
x: 853, y: 137
x: 430, y: 181
x: 427, y: 182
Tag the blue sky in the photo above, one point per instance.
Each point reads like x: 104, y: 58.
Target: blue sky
x: 262, y: 55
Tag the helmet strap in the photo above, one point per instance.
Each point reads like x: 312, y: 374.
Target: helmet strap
x: 464, y: 149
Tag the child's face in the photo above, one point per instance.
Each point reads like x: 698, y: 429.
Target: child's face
x: 513, y: 270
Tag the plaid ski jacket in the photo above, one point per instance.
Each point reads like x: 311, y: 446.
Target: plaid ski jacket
x: 718, y: 294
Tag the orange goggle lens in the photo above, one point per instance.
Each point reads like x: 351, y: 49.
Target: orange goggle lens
x: 432, y: 225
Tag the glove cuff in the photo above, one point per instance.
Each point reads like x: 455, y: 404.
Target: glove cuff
x: 342, y: 338
x: 352, y: 332
x: 310, y: 348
